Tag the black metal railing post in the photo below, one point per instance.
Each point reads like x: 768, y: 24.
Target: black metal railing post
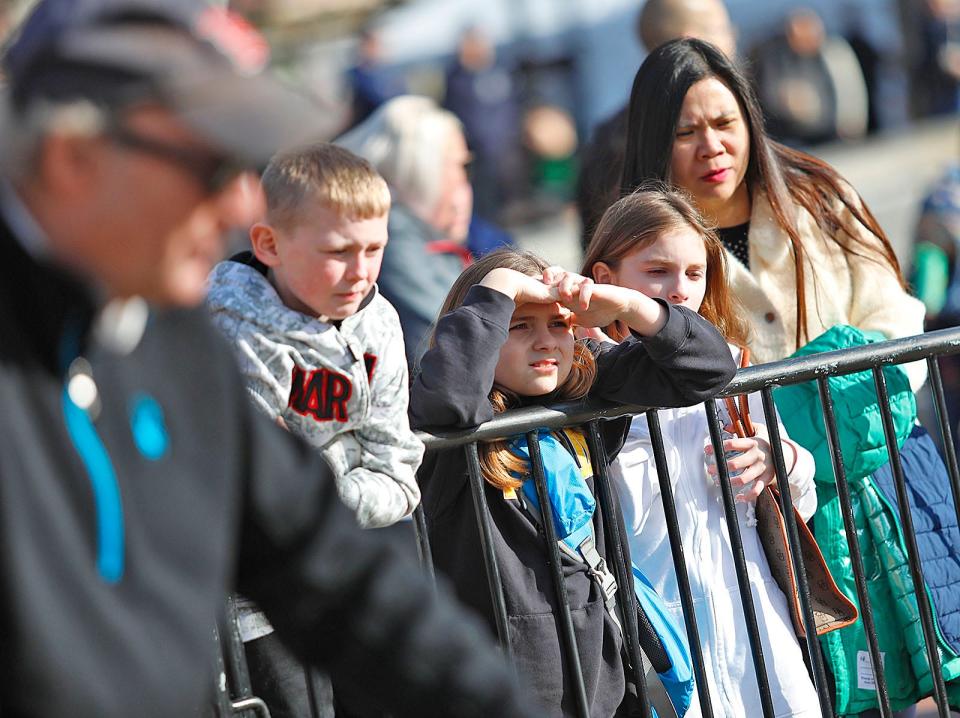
x: 423, y: 543
x: 222, y: 707
x: 567, y: 635
x: 913, y: 553
x: 679, y: 563
x: 235, y: 660
x: 853, y: 544
x: 233, y: 663
x: 626, y: 597
x: 796, y: 552
x: 736, y: 547
x: 946, y: 433
x: 485, y: 526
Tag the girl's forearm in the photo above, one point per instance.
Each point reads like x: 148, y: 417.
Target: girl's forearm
x: 501, y: 280
x: 644, y: 315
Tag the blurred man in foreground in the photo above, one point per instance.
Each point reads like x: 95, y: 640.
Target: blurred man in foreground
x: 136, y: 485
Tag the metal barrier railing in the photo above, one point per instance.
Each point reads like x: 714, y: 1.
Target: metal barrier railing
x: 762, y: 378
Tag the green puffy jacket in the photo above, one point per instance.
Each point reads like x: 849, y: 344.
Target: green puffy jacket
x: 890, y: 588
x: 895, y: 611
x: 859, y: 426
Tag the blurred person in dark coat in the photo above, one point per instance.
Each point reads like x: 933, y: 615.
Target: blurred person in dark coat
x: 480, y: 91
x: 937, y: 69
x: 372, y: 83
x: 809, y: 84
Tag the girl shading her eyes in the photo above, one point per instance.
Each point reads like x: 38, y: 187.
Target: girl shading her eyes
x: 504, y: 339
x: 655, y: 242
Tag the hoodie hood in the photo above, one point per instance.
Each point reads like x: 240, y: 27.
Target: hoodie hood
x: 239, y: 288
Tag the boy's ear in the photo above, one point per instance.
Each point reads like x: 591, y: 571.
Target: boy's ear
x: 263, y: 239
x: 602, y: 274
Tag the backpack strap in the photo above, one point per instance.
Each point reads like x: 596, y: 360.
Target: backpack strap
x: 656, y: 691
x: 581, y: 546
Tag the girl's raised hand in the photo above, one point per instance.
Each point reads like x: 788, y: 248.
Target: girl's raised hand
x: 599, y: 305
x: 574, y: 290
x: 519, y: 287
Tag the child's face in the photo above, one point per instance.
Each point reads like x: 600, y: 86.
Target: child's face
x: 538, y: 353
x: 674, y: 268
x: 327, y: 263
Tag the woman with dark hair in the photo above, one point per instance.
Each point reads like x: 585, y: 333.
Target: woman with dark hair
x: 806, y: 251
x: 804, y: 254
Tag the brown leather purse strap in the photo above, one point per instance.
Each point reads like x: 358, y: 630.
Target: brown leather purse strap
x: 739, y: 410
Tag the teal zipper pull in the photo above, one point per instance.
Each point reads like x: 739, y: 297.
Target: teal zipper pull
x: 106, y: 490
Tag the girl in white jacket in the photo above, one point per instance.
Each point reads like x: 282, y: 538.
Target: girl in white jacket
x: 655, y: 242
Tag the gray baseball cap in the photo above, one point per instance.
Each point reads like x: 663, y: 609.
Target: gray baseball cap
x: 206, y: 65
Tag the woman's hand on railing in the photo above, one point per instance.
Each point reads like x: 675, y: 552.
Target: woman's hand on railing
x: 752, y: 470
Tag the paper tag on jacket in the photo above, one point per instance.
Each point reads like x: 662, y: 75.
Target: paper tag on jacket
x: 865, y: 677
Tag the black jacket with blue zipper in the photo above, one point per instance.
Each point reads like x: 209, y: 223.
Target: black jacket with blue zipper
x: 112, y: 578
x: 686, y: 362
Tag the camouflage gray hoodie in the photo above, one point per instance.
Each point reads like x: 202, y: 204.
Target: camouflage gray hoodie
x: 342, y: 389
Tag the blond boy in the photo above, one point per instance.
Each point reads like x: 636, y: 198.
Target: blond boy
x: 321, y: 353
x: 320, y: 349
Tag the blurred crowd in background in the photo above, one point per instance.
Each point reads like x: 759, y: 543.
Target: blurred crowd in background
x: 531, y: 80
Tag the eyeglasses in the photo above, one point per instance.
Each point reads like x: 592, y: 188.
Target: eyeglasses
x: 212, y: 171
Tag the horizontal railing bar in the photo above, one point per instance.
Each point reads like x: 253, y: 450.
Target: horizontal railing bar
x: 844, y: 361
x: 751, y: 379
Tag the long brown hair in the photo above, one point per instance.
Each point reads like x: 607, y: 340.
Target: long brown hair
x: 639, y: 219
x: 499, y: 465
x: 787, y: 177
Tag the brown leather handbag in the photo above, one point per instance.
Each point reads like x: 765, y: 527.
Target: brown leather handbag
x: 831, y: 608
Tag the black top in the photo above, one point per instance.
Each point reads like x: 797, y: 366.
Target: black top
x: 736, y: 241
x: 601, y: 169
x: 232, y: 502
x: 685, y: 363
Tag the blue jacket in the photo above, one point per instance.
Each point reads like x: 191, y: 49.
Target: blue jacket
x: 935, y: 524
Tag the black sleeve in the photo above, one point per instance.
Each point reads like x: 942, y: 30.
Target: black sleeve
x: 685, y: 363
x: 456, y: 374
x: 347, y: 601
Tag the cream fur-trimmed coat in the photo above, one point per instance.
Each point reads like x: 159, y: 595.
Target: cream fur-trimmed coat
x: 840, y: 289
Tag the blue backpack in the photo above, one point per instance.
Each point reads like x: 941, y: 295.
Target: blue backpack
x: 669, y: 679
